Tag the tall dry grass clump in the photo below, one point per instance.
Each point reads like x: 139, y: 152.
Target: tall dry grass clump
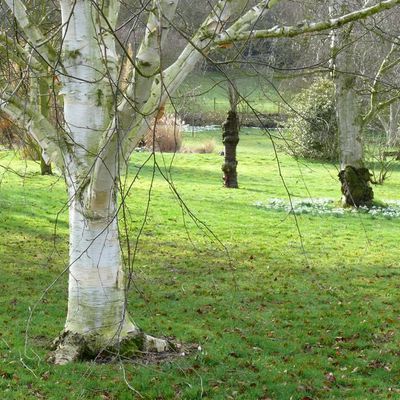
x: 204, y: 148
x: 14, y: 138
x: 166, y: 135
x: 10, y: 136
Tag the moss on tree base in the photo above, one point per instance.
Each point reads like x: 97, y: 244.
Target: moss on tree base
x: 355, y: 186
x: 71, y: 346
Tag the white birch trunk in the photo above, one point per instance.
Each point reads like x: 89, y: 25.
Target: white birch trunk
x: 96, y: 301
x: 97, y: 318
x: 96, y: 294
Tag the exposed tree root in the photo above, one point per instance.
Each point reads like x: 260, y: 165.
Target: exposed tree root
x: 70, y: 347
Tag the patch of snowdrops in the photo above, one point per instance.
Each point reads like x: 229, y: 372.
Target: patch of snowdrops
x: 326, y: 206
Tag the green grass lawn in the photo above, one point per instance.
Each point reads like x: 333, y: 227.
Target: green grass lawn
x: 207, y: 92
x: 276, y: 317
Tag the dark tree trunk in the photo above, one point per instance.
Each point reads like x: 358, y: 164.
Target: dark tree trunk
x: 45, y: 169
x: 355, y: 186
x: 230, y: 139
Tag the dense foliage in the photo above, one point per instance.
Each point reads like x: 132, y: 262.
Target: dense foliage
x: 312, y: 126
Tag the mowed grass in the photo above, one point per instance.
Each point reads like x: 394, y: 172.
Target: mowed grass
x: 276, y: 317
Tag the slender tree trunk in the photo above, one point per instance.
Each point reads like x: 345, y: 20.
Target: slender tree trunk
x: 230, y: 139
x: 393, y: 126
x: 33, y: 150
x: 44, y: 98
x: 39, y: 98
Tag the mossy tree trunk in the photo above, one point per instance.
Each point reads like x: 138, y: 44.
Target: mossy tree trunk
x: 44, y: 98
x: 230, y: 139
x: 39, y: 98
x: 353, y: 176
x: 33, y: 151
x: 355, y: 186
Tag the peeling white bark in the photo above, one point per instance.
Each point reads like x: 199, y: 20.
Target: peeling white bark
x: 96, y: 294
x: 148, y: 58
x: 96, y: 301
x: 88, y: 99
x: 348, y: 113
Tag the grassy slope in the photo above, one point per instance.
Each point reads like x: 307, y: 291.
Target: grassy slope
x: 208, y: 93
x: 272, y: 324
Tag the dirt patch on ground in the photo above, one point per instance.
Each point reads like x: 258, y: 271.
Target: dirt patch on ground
x: 177, y: 351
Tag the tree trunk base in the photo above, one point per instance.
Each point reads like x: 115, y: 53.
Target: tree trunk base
x: 230, y: 175
x: 355, y: 186
x: 70, y: 347
x: 45, y: 169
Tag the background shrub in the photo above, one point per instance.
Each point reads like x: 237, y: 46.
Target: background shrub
x: 312, y: 125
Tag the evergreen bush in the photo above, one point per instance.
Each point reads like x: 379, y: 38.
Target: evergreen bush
x: 312, y: 126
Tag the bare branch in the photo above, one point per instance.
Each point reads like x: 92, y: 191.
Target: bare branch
x: 148, y: 58
x: 246, y: 22
x: 37, y: 126
x: 306, y: 27
x: 374, y: 105
x: 17, y: 53
x: 35, y: 38
x: 166, y: 83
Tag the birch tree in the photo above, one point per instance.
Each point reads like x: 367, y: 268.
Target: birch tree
x: 103, y: 122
